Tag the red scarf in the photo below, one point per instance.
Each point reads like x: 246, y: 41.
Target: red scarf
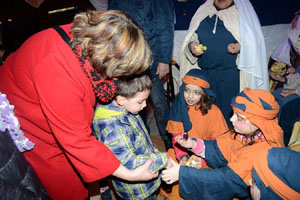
x: 104, y: 90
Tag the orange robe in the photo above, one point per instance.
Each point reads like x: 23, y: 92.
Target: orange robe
x: 207, y: 126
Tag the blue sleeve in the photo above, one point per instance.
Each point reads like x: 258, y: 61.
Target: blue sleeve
x: 211, y: 184
x: 213, y: 156
x: 164, y: 28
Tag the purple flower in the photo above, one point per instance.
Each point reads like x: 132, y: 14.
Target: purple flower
x: 9, y: 122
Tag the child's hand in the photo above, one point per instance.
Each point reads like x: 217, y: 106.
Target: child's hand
x: 189, y: 143
x: 170, y: 164
x: 196, y: 48
x: 195, y: 162
x: 234, y: 48
x: 171, y: 174
x: 183, y: 160
x: 156, y: 150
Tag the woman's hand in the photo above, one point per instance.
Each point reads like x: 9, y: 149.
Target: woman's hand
x: 189, y: 143
x: 193, y: 46
x: 287, y: 93
x: 171, y: 174
x: 234, y: 48
x: 141, y: 173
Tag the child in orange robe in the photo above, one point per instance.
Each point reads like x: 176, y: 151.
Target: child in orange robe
x: 195, y: 115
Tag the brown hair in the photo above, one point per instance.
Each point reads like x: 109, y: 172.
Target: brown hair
x: 130, y: 85
x: 113, y: 42
x: 204, y: 104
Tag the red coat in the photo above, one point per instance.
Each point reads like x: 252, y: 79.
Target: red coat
x: 54, y: 103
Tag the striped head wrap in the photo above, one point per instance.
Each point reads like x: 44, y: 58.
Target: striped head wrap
x: 198, y: 77
x: 261, y: 109
x: 179, y: 120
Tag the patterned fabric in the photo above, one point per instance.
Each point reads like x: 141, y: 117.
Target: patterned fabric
x: 127, y: 137
x: 104, y: 89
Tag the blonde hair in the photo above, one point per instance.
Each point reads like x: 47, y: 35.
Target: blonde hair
x: 113, y: 42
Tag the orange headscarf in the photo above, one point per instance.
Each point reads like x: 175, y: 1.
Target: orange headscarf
x: 260, y: 108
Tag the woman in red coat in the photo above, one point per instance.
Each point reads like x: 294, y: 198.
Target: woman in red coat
x: 54, y: 85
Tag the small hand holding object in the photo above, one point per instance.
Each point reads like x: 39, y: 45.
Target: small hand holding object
x: 171, y: 174
x: 183, y: 159
x: 185, y: 136
x: 234, y: 48
x: 200, y: 48
x: 197, y: 49
x: 187, y: 143
x: 195, y: 162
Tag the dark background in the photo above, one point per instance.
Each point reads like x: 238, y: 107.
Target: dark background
x: 19, y: 20
x: 27, y: 20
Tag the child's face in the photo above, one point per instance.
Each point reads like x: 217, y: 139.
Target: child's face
x: 241, y: 124
x: 137, y: 103
x: 192, y: 94
x: 254, y: 190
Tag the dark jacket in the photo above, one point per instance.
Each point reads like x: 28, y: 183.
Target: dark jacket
x: 17, y: 178
x: 156, y: 18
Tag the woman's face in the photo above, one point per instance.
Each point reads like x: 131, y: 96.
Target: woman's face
x: 254, y: 190
x: 192, y: 94
x: 221, y: 4
x: 241, y: 124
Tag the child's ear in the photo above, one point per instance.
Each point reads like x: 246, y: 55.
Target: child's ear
x: 120, y: 100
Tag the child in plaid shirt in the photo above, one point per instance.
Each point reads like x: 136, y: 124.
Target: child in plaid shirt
x: 121, y: 129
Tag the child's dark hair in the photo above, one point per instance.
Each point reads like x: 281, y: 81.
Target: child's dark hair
x: 204, y: 104
x: 130, y: 85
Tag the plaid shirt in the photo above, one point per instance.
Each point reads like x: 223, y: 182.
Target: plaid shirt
x: 127, y: 137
